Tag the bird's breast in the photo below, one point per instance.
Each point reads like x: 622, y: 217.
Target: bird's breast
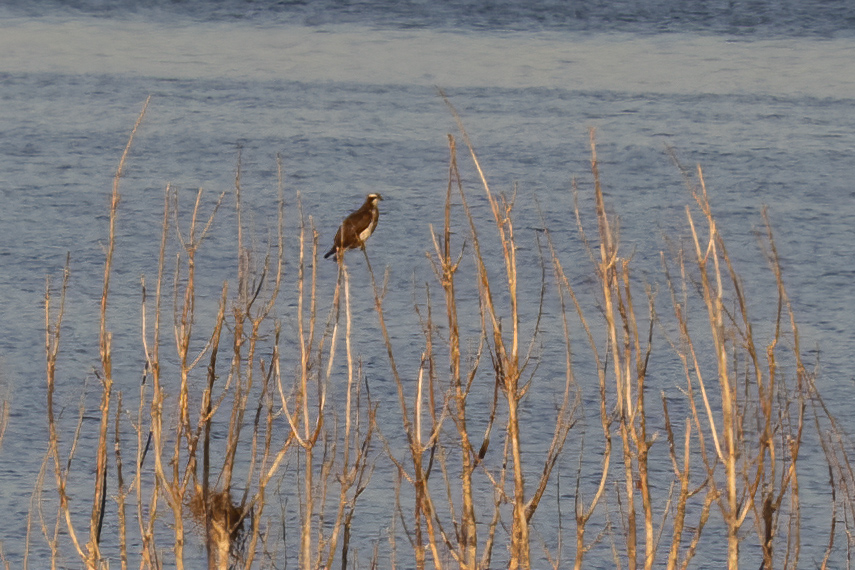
x: 363, y: 235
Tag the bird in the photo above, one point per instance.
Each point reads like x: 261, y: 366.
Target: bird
x: 356, y: 227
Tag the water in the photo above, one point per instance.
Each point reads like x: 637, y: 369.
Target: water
x: 760, y: 94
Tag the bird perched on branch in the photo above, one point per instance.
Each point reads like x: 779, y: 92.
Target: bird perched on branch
x: 357, y: 227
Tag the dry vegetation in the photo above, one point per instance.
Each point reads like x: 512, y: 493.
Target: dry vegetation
x: 239, y: 445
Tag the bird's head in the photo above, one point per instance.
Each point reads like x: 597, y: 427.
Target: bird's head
x: 373, y: 198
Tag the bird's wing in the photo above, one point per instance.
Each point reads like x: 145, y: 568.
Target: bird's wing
x: 354, y: 225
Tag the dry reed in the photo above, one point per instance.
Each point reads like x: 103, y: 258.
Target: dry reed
x: 231, y: 419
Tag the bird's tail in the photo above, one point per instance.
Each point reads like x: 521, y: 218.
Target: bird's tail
x: 330, y: 252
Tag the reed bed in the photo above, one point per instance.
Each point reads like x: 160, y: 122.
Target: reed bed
x: 258, y: 446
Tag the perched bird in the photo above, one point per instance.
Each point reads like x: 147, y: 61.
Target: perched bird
x: 357, y: 227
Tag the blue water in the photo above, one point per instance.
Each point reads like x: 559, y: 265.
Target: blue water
x: 760, y: 94
x: 751, y: 19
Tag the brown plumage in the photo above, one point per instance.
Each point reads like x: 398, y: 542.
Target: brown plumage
x: 356, y: 227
